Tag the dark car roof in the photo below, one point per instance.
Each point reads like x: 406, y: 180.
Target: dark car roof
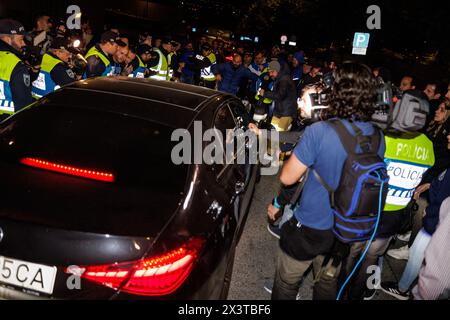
x: 169, y: 103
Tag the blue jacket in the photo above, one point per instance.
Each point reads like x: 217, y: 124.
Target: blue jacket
x: 186, y: 58
x: 439, y: 191
x: 231, y: 77
x: 297, y: 73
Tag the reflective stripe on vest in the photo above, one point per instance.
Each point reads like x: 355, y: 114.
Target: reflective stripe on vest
x: 161, y: 68
x: 44, y: 84
x: 95, y: 52
x: 407, y: 160
x: 206, y: 73
x: 169, y: 62
x: 8, y: 61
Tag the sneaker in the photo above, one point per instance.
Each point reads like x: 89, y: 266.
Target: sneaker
x: 404, y: 237
x: 274, y: 230
x: 268, y: 285
x: 401, y: 253
x: 369, y: 294
x: 391, y: 288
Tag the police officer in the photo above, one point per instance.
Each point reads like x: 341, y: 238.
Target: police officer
x: 263, y: 106
x: 208, y: 78
x: 55, y: 71
x: 15, y: 81
x: 99, y: 56
x: 159, y: 64
x: 173, y: 62
x: 135, y: 67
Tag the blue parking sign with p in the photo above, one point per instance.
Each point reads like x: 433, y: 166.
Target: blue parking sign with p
x: 360, y: 43
x: 361, y: 40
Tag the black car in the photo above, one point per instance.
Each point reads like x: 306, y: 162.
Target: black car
x: 93, y: 207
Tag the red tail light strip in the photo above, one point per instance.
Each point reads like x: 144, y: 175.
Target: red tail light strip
x: 154, y: 276
x: 57, y: 167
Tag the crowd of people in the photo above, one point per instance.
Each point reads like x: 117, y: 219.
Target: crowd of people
x: 283, y: 88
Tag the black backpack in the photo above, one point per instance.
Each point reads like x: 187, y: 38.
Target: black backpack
x: 363, y: 186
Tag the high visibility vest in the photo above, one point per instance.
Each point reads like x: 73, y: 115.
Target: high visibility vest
x: 206, y: 73
x: 8, y: 61
x: 407, y: 160
x: 162, y: 69
x: 95, y: 52
x: 169, y: 63
x: 258, y: 86
x: 140, y: 71
x: 44, y: 84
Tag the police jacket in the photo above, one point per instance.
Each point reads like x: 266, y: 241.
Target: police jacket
x: 15, y: 82
x: 54, y: 73
x: 407, y: 157
x: 98, y: 63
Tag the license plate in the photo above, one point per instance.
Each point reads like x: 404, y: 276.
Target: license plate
x: 27, y: 275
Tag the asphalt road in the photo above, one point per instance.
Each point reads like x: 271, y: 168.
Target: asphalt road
x: 256, y: 253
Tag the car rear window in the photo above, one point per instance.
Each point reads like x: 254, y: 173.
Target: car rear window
x: 136, y: 151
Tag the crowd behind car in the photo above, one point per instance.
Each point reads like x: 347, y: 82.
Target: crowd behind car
x: 277, y: 85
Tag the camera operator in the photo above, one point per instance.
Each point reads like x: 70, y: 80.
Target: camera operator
x: 15, y: 80
x: 310, y: 112
x: 40, y: 38
x: 308, y: 234
x: 405, y: 169
x: 55, y: 71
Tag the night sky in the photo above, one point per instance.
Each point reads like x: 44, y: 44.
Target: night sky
x: 405, y: 24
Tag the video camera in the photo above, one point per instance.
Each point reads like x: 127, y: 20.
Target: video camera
x: 408, y: 115
x: 36, y: 44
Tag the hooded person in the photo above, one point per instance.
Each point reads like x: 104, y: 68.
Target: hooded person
x: 297, y: 64
x: 283, y: 94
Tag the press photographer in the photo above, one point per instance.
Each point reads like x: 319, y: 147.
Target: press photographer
x: 324, y: 148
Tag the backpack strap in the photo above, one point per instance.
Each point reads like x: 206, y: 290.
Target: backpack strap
x: 326, y: 186
x: 376, y: 140
x: 350, y: 141
x: 362, y: 140
x: 299, y: 189
x: 346, y: 138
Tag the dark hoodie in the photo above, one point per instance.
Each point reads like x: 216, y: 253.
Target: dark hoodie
x: 438, y: 135
x: 284, y: 94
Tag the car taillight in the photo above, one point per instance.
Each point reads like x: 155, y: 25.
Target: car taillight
x: 153, y: 276
x: 61, y: 168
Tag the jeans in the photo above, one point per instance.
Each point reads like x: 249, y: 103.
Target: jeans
x: 289, y: 274
x: 416, y: 256
x: 300, y: 247
x: 360, y: 277
x: 417, y: 220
